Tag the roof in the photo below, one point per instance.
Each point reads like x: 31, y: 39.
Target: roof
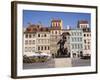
x: 86, y: 30
x: 56, y: 20
x: 56, y: 28
x: 83, y: 22
x: 36, y: 28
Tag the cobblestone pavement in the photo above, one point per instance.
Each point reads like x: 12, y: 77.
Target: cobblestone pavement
x: 48, y: 64
x: 80, y: 62
x: 63, y: 62
x: 58, y: 62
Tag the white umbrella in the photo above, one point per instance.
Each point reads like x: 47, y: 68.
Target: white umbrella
x: 36, y: 54
x: 45, y: 54
x: 29, y: 54
x: 32, y: 54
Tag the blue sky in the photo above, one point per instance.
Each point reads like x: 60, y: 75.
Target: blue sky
x: 45, y: 17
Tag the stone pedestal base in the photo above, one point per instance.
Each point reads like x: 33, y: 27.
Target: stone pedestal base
x: 63, y: 62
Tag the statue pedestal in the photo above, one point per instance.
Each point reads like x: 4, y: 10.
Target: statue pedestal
x: 63, y: 62
x: 62, y: 56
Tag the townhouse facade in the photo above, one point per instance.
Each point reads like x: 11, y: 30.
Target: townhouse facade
x: 29, y: 42
x: 87, y: 42
x: 55, y: 32
x: 36, y: 39
x: 43, y: 42
x: 76, y: 43
x: 84, y: 25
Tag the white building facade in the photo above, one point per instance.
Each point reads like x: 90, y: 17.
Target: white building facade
x: 87, y: 42
x: 43, y: 42
x: 84, y: 25
x: 76, y: 42
x: 29, y: 42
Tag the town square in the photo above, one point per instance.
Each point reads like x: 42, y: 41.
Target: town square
x: 56, y: 44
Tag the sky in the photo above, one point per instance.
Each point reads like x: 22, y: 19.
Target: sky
x: 45, y: 18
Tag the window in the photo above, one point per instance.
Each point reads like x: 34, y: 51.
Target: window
x: 48, y: 47
x: 45, y: 47
x: 84, y: 41
x: 25, y: 49
x: 55, y: 32
x: 88, y: 46
x: 81, y: 46
x: 72, y: 39
x: 75, y: 46
x: 45, y: 35
x: 42, y: 35
x: 88, y: 41
x: 72, y: 46
x: 72, y: 33
x: 75, y: 33
x: 87, y: 35
x: 26, y: 42
x: 68, y: 37
x: 26, y: 36
x: 38, y: 35
x: 29, y: 41
x: 38, y: 47
x: 30, y: 49
x: 84, y: 35
x: 33, y: 49
x: 33, y: 41
x: 30, y: 36
x: 85, y: 47
x: 80, y: 39
x: 33, y: 35
x: 76, y: 39
x: 41, y: 47
x: 80, y: 34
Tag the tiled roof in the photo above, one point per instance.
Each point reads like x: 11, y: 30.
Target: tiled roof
x: 36, y: 28
x: 86, y: 30
x: 56, y: 28
x: 56, y: 20
x: 82, y: 22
